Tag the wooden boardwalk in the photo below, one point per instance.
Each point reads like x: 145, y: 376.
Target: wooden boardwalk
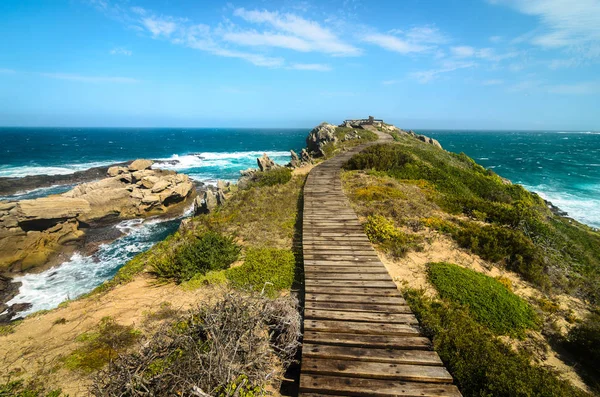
x: 360, y: 337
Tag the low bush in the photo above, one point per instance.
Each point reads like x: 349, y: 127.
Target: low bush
x: 102, y: 346
x: 392, y: 240
x: 490, y: 302
x: 481, y: 364
x: 236, y: 346
x: 267, y: 269
x: 502, y: 244
x: 274, y: 176
x: 584, y: 341
x: 203, y: 253
x: 19, y: 388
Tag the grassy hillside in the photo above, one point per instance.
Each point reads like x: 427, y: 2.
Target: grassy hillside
x: 409, y: 192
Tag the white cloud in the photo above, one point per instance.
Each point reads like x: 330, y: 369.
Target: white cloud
x: 159, y: 26
x: 564, y: 22
x: 426, y: 34
x: 417, y: 39
x: 90, y: 79
x: 311, y: 66
x: 462, y: 51
x: 312, y: 33
x: 393, y: 43
x: 253, y: 38
x: 427, y: 76
x: 120, y: 51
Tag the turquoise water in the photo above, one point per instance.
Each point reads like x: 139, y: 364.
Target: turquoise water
x: 204, y: 154
x: 563, y: 167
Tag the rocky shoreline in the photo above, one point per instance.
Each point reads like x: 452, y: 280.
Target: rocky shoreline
x: 40, y: 233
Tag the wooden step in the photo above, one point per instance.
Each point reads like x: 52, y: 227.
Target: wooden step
x: 361, y: 387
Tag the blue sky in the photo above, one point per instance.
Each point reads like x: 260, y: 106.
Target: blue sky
x: 492, y: 64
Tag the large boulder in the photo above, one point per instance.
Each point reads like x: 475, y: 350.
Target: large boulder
x: 265, y: 163
x: 42, y: 213
x: 140, y: 164
x: 318, y: 137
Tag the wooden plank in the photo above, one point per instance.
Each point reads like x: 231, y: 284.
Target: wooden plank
x: 332, y: 262
x: 419, y: 357
x: 354, y: 298
x: 350, y: 283
x: 315, y: 269
x: 386, y: 318
x: 310, y: 289
x: 375, y: 370
x: 361, y: 387
x: 356, y: 307
x: 368, y: 340
x: 347, y: 276
x: 350, y: 327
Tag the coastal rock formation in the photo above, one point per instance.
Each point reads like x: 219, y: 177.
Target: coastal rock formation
x: 211, y: 198
x: 265, y: 163
x: 36, y: 232
x: 431, y: 141
x: 318, y: 137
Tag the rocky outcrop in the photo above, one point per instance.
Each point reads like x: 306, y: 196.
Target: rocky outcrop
x: 265, y: 163
x: 36, y: 232
x: 318, y: 137
x: 431, y: 141
x: 208, y: 200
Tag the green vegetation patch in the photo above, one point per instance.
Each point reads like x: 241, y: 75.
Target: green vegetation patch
x: 102, y: 346
x: 265, y: 269
x: 584, y: 341
x: 394, y: 241
x: 198, y: 255
x: 481, y: 364
x: 19, y: 388
x: 9, y: 328
x: 275, y: 176
x: 490, y: 302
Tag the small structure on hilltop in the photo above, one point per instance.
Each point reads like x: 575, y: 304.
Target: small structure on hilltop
x: 360, y: 122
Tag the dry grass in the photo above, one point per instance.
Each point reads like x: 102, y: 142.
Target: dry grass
x: 236, y: 346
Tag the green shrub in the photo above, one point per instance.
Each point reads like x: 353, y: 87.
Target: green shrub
x: 490, y: 302
x: 274, y: 176
x: 481, y: 364
x: 383, y: 232
x: 18, y: 388
x: 265, y: 268
x: 498, y: 243
x: 209, y: 251
x: 584, y: 341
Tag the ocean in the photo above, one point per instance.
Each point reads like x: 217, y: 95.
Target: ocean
x: 562, y: 166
